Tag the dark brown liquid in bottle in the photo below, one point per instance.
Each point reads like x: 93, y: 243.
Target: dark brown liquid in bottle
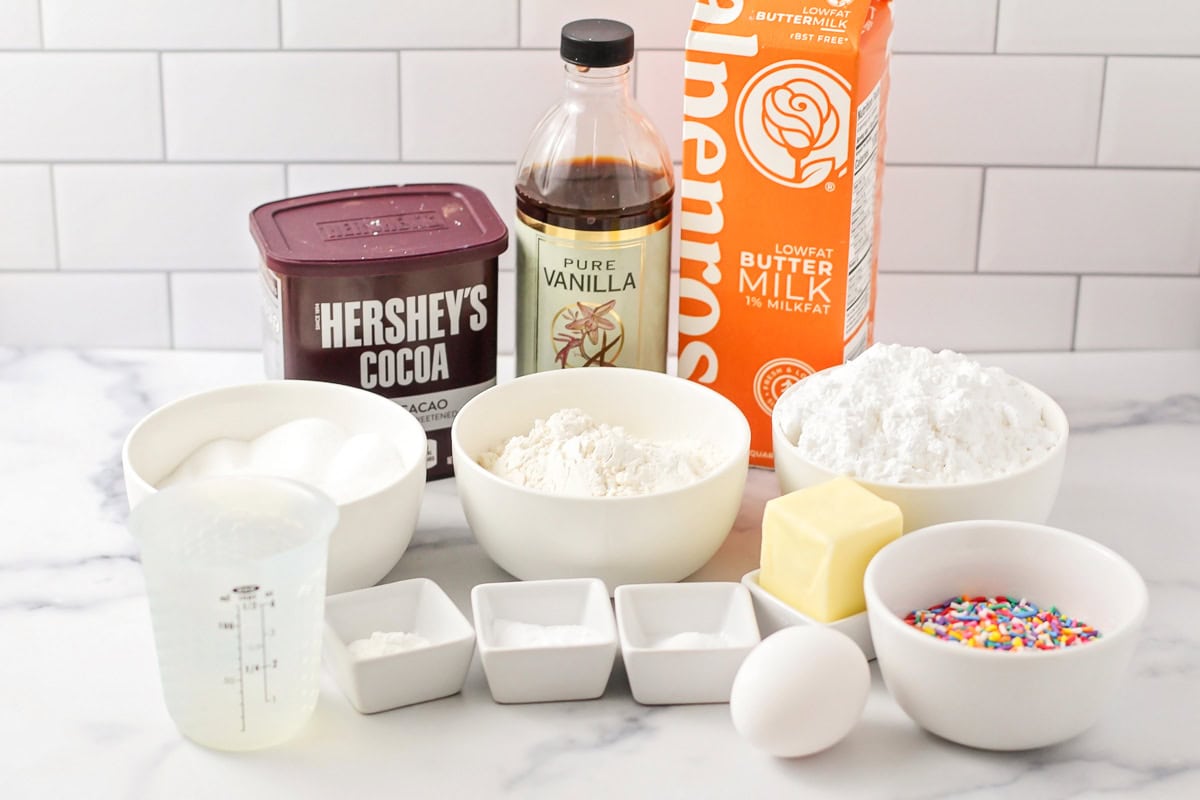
x: 594, y: 194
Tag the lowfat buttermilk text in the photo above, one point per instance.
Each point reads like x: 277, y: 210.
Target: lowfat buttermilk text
x: 791, y: 278
x: 408, y: 332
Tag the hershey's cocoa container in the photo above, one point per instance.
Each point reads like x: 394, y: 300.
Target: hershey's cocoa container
x: 391, y: 289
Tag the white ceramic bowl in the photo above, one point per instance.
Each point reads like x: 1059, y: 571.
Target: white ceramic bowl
x: 1026, y: 495
x: 651, y: 538
x: 666, y: 672
x: 998, y: 700
x: 412, y: 676
x: 372, y: 532
x: 545, y: 671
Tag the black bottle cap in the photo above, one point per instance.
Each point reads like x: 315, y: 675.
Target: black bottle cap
x: 597, y: 43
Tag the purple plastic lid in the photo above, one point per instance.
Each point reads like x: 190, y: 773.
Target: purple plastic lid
x: 367, y: 231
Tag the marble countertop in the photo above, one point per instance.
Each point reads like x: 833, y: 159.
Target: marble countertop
x: 81, y: 715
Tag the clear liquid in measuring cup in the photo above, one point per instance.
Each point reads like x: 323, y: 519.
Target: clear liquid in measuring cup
x: 237, y: 598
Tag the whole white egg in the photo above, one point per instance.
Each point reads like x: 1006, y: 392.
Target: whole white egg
x: 800, y: 691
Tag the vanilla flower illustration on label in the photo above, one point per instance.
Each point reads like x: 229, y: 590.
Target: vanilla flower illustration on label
x: 587, y: 334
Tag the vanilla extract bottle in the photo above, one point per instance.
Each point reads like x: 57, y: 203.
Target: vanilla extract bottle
x: 593, y: 228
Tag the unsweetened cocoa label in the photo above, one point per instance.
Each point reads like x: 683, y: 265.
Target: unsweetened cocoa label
x: 425, y: 338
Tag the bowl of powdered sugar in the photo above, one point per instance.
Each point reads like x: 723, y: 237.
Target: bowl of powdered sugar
x: 626, y: 475
x: 940, y: 435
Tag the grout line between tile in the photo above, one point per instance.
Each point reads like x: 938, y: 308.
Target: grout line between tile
x: 279, y: 22
x: 1075, y: 317
x: 519, y: 42
x: 41, y: 26
x: 1100, y: 112
x: 979, y: 222
x: 54, y: 221
x: 399, y: 106
x: 996, y: 30
x: 554, y: 49
x: 162, y: 106
x: 349, y: 51
x: 1059, y: 274
x: 170, y: 310
x: 484, y: 162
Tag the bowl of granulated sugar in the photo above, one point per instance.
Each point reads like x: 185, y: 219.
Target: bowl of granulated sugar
x: 625, y: 475
x: 942, y: 436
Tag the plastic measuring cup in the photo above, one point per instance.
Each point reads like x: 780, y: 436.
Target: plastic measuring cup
x: 235, y: 575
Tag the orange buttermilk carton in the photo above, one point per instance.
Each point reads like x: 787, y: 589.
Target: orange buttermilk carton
x: 782, y: 162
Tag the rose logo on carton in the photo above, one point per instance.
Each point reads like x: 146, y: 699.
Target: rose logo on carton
x: 793, y: 123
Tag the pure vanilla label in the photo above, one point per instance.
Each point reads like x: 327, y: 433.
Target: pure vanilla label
x: 598, y: 298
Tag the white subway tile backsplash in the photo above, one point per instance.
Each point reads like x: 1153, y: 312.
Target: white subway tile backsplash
x: 88, y: 310
x: 19, y: 25
x: 945, y: 26
x: 930, y: 218
x: 494, y: 180
x: 1088, y: 220
x: 161, y: 217
x: 993, y: 109
x: 1122, y: 313
x: 474, y: 106
x: 74, y: 106
x: 659, y: 90
x: 1167, y: 27
x: 217, y: 311
x: 280, y: 106
x: 976, y: 312
x: 26, y: 218
x: 1151, y: 113
x: 656, y: 23
x: 1021, y: 209
x: 399, y: 23
x: 160, y: 24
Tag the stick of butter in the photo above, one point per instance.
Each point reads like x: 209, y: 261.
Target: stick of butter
x: 816, y: 543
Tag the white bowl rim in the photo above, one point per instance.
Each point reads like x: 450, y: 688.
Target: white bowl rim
x: 1104, y: 641
x: 418, y: 464
x: 1048, y: 404
x: 739, y: 457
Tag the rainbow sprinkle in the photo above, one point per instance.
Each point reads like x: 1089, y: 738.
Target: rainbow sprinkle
x: 1001, y: 623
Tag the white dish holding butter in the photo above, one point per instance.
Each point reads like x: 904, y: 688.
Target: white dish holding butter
x: 374, y: 528
x: 650, y: 538
x: 1026, y: 493
x: 774, y: 615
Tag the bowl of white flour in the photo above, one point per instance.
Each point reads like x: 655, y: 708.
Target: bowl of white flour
x: 940, y: 435
x: 625, y: 475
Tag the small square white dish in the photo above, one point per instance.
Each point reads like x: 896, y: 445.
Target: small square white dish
x: 683, y: 642
x: 545, y: 641
x: 774, y: 614
x: 417, y: 606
